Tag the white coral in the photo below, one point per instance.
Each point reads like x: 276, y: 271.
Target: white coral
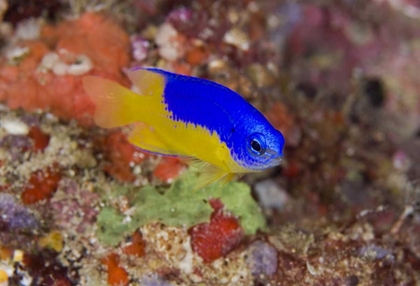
x: 169, y: 42
x: 52, y: 61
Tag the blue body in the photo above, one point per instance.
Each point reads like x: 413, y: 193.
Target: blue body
x: 221, y: 110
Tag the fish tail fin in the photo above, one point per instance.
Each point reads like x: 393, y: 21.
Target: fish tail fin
x: 115, y: 105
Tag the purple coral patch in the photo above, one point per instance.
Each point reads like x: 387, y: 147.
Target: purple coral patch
x: 153, y: 280
x: 14, y: 216
x: 16, y: 145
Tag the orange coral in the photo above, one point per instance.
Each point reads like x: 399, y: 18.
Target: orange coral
x: 30, y: 87
x: 197, y: 55
x: 5, y: 253
x: 95, y: 36
x: 117, y: 275
x: 137, y: 245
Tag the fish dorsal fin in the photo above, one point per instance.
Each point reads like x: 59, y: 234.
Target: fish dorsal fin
x: 148, y: 139
x: 148, y: 82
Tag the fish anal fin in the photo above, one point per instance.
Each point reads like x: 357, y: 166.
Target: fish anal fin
x: 114, y: 104
x: 148, y: 82
x: 146, y: 138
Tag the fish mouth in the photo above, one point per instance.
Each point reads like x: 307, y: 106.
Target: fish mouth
x: 274, y: 157
x: 271, y: 152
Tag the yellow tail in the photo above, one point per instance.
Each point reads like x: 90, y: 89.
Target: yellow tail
x: 115, y: 105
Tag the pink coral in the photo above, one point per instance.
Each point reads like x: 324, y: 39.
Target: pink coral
x: 73, y: 206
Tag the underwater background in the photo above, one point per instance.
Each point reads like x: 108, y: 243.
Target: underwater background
x: 80, y: 205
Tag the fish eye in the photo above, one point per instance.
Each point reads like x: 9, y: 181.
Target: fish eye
x: 256, y: 144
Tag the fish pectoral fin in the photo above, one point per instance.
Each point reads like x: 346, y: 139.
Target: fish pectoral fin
x: 200, y: 165
x: 226, y: 179
x: 148, y: 139
x: 148, y: 82
x: 208, y: 178
x: 208, y: 173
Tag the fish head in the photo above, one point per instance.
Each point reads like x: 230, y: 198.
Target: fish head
x: 259, y: 147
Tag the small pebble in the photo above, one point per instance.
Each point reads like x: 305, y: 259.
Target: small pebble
x: 29, y: 29
x: 270, y: 195
x: 18, y: 255
x: 153, y: 280
x: 168, y: 40
x: 262, y: 259
x: 237, y: 38
x: 14, y: 126
x: 82, y: 65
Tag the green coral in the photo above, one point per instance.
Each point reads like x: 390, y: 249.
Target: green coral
x: 178, y: 206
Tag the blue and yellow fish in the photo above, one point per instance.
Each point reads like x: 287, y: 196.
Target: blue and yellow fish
x: 214, y: 127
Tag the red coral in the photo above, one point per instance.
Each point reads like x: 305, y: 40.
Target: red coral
x: 168, y: 169
x: 119, y: 154
x: 39, y: 138
x: 217, y: 238
x: 42, y: 185
x: 216, y: 204
x: 93, y: 35
x: 46, y: 269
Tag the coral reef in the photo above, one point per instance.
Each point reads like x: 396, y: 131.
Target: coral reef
x: 42, y: 69
x: 82, y: 206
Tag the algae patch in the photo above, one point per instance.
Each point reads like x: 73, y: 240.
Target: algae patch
x: 177, y: 206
